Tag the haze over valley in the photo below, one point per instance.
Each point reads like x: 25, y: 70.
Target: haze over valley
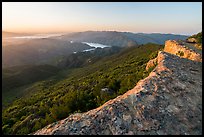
x: 101, y: 68
x: 21, y: 49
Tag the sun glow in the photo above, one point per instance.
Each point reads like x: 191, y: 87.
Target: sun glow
x: 53, y: 17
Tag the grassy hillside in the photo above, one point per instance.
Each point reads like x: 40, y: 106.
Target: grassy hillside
x: 196, y: 39
x: 77, y: 90
x: 21, y: 75
x: 14, y: 77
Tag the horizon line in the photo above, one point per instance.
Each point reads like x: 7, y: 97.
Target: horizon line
x: 97, y: 31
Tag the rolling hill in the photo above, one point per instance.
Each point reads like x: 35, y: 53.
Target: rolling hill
x: 120, y: 39
x: 39, y: 51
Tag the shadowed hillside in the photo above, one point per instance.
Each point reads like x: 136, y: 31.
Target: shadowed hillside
x: 39, y: 51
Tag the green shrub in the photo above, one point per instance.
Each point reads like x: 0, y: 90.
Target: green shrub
x: 180, y: 53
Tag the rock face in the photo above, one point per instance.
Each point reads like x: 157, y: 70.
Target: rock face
x: 184, y: 50
x: 151, y: 63
x: 167, y: 102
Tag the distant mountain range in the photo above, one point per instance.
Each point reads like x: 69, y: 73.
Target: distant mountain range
x: 23, y: 50
x: 12, y: 34
x: 121, y: 39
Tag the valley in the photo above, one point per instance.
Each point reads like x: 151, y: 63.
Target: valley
x: 48, y: 79
x: 101, y: 68
x: 76, y: 89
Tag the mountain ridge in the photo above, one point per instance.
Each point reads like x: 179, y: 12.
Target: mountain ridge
x: 117, y: 38
x: 19, y: 51
x: 168, y: 101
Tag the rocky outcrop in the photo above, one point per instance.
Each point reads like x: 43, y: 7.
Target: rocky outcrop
x: 167, y: 102
x: 179, y: 48
x: 192, y: 40
x: 151, y: 63
x: 184, y: 50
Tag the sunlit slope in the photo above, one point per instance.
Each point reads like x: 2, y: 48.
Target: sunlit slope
x: 77, y: 90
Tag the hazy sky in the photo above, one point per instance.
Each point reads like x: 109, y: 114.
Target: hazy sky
x: 148, y: 17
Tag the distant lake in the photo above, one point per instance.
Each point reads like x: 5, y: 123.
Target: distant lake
x: 95, y: 45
